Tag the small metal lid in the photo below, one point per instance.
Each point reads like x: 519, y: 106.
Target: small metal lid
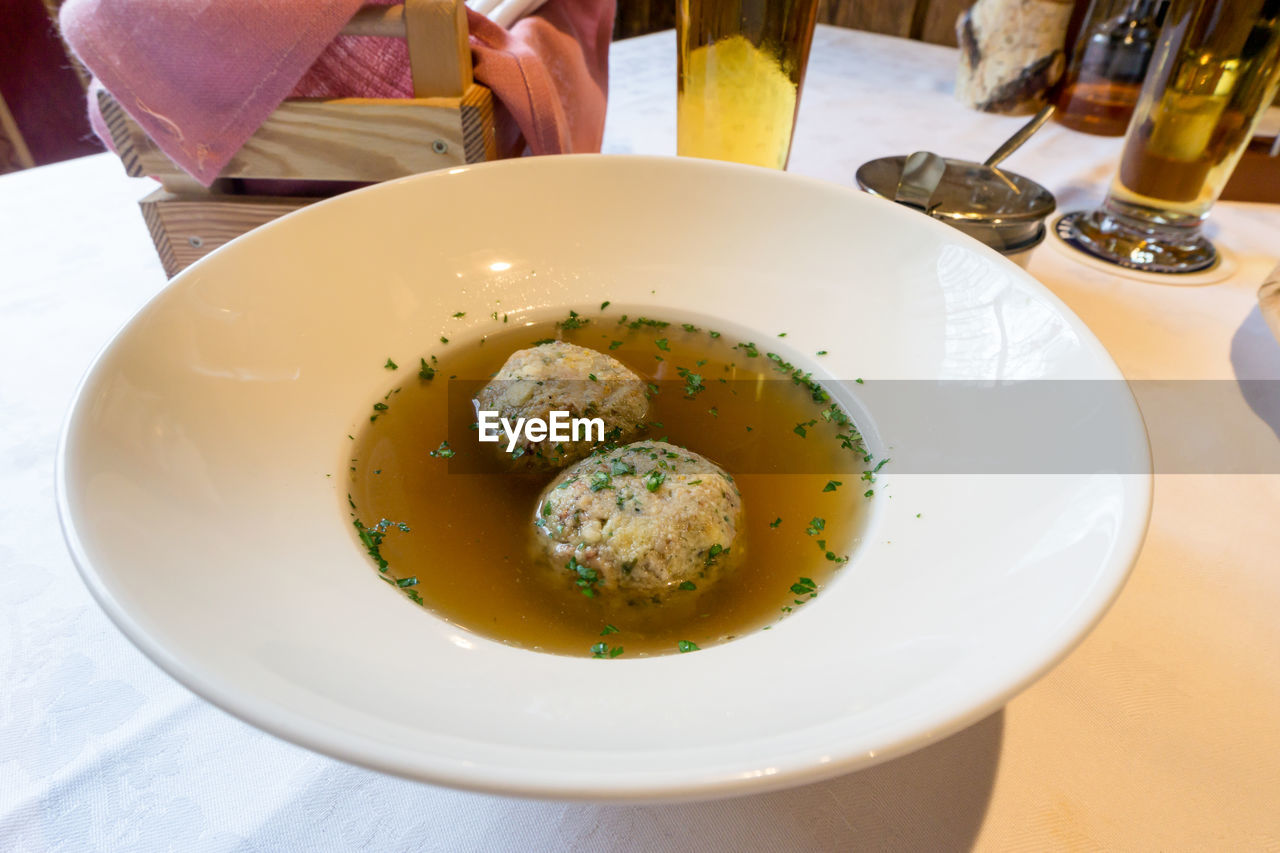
x: 1001, y: 208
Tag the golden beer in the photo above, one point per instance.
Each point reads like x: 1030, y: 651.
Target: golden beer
x: 1193, y: 122
x: 741, y: 68
x: 1215, y: 69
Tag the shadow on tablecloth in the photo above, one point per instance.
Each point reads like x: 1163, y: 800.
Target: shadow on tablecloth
x: 933, y: 799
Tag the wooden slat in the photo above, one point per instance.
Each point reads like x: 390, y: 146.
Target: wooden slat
x: 14, y: 153
x: 891, y: 17
x: 479, y: 134
x: 347, y: 139
x: 186, y: 228
x: 939, y: 21
x: 439, y: 53
x: 385, y: 21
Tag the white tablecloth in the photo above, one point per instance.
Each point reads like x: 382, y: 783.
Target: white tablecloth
x: 1161, y: 732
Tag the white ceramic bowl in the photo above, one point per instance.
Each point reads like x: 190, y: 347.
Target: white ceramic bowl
x: 194, y: 499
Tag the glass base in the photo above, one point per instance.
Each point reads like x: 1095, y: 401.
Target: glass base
x: 1132, y: 245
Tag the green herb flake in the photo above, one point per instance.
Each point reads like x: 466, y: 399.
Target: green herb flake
x: 391, y: 365
x: 601, y: 480
x: 607, y: 630
x: 688, y: 585
x: 688, y: 646
x: 604, y: 305
x: 459, y: 314
x: 573, y: 321
x: 444, y: 451
x: 868, y: 493
x: 602, y: 650
x: 782, y: 334
x: 653, y: 480
x: 801, y: 428
x: 614, y: 344
x: 804, y: 586
x: 822, y: 352
x: 405, y: 582
x: 714, y: 334
x: 816, y: 526
x: 832, y: 485
x: 443, y: 339
x: 426, y: 371
x: 662, y: 344
x: 592, y: 377
x: 776, y: 522
x: 689, y: 327
x: 380, y: 407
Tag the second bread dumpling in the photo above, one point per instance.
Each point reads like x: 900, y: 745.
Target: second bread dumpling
x: 640, y: 523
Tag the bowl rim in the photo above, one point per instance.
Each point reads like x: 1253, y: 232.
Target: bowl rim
x: 666, y: 786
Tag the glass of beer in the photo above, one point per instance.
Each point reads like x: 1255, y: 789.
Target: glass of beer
x: 1215, y: 69
x: 741, y: 68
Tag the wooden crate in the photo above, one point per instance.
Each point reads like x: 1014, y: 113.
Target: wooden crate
x: 448, y: 122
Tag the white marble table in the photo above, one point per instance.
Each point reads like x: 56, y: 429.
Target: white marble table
x: 1162, y: 731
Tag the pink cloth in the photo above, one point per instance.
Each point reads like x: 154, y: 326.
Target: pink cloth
x: 201, y: 76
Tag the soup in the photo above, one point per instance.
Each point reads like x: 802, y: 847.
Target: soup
x: 450, y: 525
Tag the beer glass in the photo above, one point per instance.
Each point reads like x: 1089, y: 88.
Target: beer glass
x: 740, y: 70
x: 1215, y: 70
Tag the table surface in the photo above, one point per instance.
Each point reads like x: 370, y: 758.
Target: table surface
x: 1162, y: 731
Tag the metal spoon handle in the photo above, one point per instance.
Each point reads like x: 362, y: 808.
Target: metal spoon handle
x: 1013, y: 143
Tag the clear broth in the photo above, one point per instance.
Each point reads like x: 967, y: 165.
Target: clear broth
x: 468, y: 543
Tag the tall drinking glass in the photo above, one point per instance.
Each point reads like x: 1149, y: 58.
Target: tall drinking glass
x: 1215, y: 69
x: 741, y: 68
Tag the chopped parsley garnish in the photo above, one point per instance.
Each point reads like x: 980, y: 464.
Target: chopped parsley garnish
x: 749, y: 349
x: 443, y: 339
x: 662, y: 344
x: 459, y: 313
x: 426, y: 371
x: 805, y: 586
x: 714, y: 412
x: 573, y: 321
x: 859, y: 381
x: 868, y: 493
x: 601, y: 480
x: 782, y: 334
x: 619, y: 468
x: 404, y: 582
x: 587, y: 577
x: 776, y: 522
x: 604, y: 305
x: 689, y: 327
x: 608, y: 629
x: 816, y: 526
x: 546, y: 509
x: 801, y: 427
x: 714, y: 334
x: 380, y: 407
x: 444, y: 451
x: 391, y: 365
x: 653, y: 480
x: 687, y: 646
x: 832, y: 485
x: 542, y: 341
x: 602, y: 650
x: 713, y: 552
x: 693, y: 383
x: 688, y: 585
x: 641, y: 322
x: 822, y: 352
x: 592, y: 377
x: 614, y: 344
